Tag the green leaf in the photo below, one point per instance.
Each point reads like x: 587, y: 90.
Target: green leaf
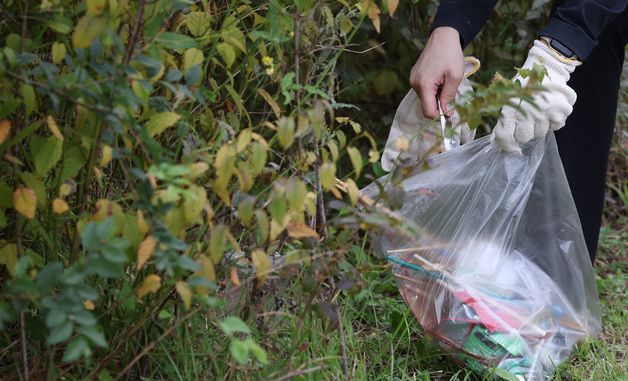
x: 28, y: 95
x: 239, y: 350
x: 227, y: 53
x: 285, y: 132
x: 61, y: 333
x: 58, y: 52
x: 55, y: 317
x: 234, y: 37
x: 73, y: 160
x: 172, y: 40
x: 217, y: 243
x: 257, y: 351
x: 46, y: 153
x: 160, y: 121
x: 87, y: 29
x: 6, y: 195
x: 95, y: 7
x: 76, y: 349
x: 62, y: 26
x: 94, y: 335
x: 198, y: 23
x: 234, y: 324
x: 37, y: 185
x: 296, y: 193
x: 192, y: 57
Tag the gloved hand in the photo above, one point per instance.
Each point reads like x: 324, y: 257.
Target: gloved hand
x: 409, y: 139
x: 553, y: 105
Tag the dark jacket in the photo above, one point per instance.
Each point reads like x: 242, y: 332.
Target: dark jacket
x: 575, y: 23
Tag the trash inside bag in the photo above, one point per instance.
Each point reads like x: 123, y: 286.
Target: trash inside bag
x: 498, y: 274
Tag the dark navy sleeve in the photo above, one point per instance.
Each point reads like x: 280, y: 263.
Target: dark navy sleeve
x: 578, y: 23
x: 466, y: 16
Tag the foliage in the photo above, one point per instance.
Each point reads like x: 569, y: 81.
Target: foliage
x: 168, y: 183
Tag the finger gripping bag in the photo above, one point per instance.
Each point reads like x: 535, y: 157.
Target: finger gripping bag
x: 498, y: 273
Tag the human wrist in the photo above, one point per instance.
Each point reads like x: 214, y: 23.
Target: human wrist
x: 446, y: 34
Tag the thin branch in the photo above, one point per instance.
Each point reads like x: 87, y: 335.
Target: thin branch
x: 139, y: 22
x: 301, y: 372
x: 24, y: 352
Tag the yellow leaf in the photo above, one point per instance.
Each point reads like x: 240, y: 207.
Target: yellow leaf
x: 8, y: 257
x: 373, y: 12
x: 65, y: 189
x: 160, y: 121
x: 87, y: 29
x: 58, y: 52
x: 54, y: 127
x: 193, y: 202
x: 196, y: 170
x: 352, y: 190
x: 392, y: 6
x: 142, y: 226
x: 185, y: 293
x: 25, y: 202
x: 5, y: 130
x: 192, y: 57
x: 285, y: 132
x: 300, y: 230
x: 356, y: 159
x: 244, y: 138
x: 271, y: 102
x: 152, y: 283
x: 59, y: 206
x: 106, y: 155
x: 261, y: 263
x: 89, y: 305
x: 327, y: 173
x: 207, y: 268
x: 145, y: 250
x: 95, y: 7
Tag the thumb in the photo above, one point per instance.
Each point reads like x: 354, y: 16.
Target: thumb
x: 448, y: 92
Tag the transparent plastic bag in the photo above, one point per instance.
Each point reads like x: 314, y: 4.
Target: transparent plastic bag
x: 498, y: 274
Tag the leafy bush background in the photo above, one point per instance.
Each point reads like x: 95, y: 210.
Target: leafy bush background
x: 168, y: 196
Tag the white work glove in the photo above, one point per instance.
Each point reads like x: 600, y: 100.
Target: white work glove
x: 410, y: 141
x: 553, y: 105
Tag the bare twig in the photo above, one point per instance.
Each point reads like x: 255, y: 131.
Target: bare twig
x: 24, y: 352
x: 139, y: 22
x: 301, y: 372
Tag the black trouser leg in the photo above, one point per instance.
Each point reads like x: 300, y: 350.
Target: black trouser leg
x: 584, y: 143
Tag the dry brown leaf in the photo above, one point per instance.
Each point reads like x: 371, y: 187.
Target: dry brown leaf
x: 59, y: 206
x: 89, y: 305
x: 5, y: 130
x: 300, y: 230
x: 392, y: 6
x: 145, y: 250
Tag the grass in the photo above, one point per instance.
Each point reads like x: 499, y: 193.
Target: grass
x: 381, y: 337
